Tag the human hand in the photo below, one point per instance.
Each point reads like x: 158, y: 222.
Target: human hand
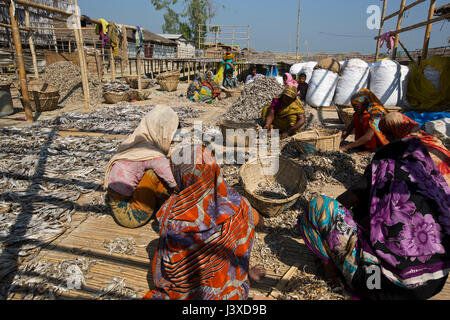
x: 284, y: 135
x: 343, y: 149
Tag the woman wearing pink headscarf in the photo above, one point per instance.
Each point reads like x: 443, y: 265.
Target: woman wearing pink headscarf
x: 289, y: 81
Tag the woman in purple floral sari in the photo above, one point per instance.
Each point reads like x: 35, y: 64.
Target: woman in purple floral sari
x: 388, y: 237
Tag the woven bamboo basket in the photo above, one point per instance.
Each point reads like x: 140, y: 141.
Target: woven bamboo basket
x: 115, y: 97
x: 236, y: 140
x: 133, y: 82
x: 169, y: 85
x: 290, y: 174
x: 169, y: 80
x: 139, y: 95
x: 233, y: 93
x: 346, y: 115
x: 43, y: 96
x: 323, y: 140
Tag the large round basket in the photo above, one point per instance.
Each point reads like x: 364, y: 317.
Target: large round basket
x: 115, y: 97
x: 169, y: 80
x: 169, y: 85
x: 133, y: 82
x: 346, y: 115
x: 290, y: 174
x: 233, y: 93
x: 244, y: 133
x: 139, y: 95
x: 323, y: 140
x: 43, y: 96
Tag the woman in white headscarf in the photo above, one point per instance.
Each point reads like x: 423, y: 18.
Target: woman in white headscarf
x: 139, y: 178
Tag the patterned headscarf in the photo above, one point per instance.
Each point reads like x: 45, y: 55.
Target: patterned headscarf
x: 398, y: 125
x: 290, y: 92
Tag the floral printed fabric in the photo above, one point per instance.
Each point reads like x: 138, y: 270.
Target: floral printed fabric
x: 409, y: 214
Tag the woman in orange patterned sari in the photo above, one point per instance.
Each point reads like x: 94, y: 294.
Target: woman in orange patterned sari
x: 397, y: 126
x: 206, y: 235
x: 368, y: 112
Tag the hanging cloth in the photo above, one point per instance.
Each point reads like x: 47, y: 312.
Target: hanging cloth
x: 114, y: 38
x: 101, y: 29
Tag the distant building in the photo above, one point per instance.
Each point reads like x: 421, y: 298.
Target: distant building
x: 155, y: 46
x: 185, y: 48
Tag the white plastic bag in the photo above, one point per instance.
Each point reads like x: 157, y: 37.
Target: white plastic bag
x: 386, y: 82
x: 354, y: 78
x: 322, y: 88
x: 405, y: 73
x: 296, y: 69
x: 308, y: 69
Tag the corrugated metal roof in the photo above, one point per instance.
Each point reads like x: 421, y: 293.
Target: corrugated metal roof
x: 152, y: 37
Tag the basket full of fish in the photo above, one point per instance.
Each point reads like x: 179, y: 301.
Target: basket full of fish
x: 272, y: 184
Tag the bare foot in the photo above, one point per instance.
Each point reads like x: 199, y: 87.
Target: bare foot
x: 257, y: 273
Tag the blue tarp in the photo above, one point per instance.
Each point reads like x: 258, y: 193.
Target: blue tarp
x: 422, y: 118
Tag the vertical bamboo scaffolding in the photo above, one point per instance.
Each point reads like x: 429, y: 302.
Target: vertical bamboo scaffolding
x: 21, y: 65
x: 80, y: 46
x: 426, y: 41
x: 31, y: 44
x: 399, y: 25
x: 383, y: 15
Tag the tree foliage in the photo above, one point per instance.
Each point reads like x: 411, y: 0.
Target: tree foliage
x: 195, y: 13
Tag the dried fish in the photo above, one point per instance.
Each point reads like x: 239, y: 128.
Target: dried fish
x: 272, y: 190
x: 253, y: 98
x: 43, y: 280
x: 116, y: 86
x: 67, y: 77
x: 117, y: 290
x: 120, y: 246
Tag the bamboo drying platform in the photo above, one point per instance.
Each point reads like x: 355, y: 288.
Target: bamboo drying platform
x: 85, y: 236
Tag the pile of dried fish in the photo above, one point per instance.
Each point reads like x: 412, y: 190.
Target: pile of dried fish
x: 116, y: 87
x: 121, y: 246
x: 253, y: 98
x: 305, y: 286
x: 43, y: 280
x: 117, y: 290
x: 67, y: 77
x: 272, y: 190
x: 112, y: 120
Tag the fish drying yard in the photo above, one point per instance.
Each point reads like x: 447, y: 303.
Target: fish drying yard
x: 54, y: 218
x: 70, y: 97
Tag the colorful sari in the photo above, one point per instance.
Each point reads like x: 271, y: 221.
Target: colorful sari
x: 408, y: 208
x: 137, y: 211
x: 369, y: 118
x: 199, y: 90
x: 206, y: 235
x: 285, y: 118
x: 398, y: 126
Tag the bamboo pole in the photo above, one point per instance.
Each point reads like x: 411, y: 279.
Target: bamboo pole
x: 113, y: 65
x: 21, y: 65
x: 406, y: 50
x: 31, y: 44
x: 84, y: 78
x: 125, y: 46
x: 426, y: 41
x: 399, y: 25
x: 138, y: 59
x: 377, y: 53
x: 421, y: 24
x: 406, y: 8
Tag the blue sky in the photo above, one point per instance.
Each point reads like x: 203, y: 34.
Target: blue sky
x: 326, y: 25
